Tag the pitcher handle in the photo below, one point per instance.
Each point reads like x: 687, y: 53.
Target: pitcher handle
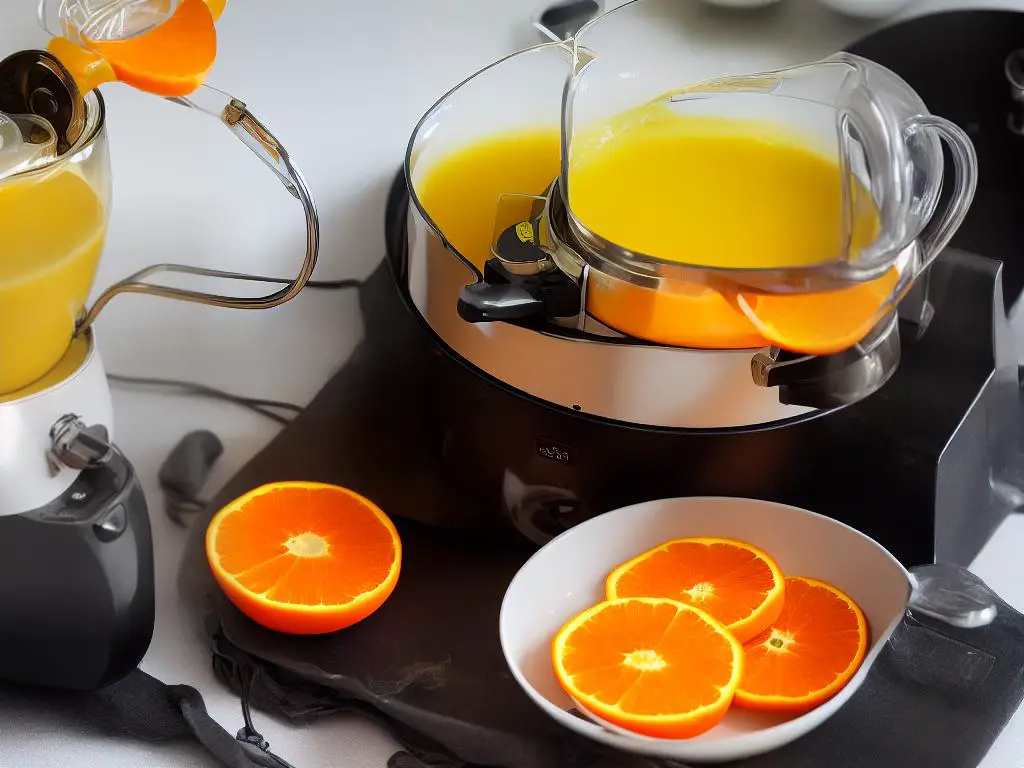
x: 965, y: 182
x: 234, y: 114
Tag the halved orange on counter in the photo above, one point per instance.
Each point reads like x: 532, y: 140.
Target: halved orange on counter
x: 820, y: 323
x: 736, y: 583
x: 808, y: 655
x: 304, y: 558
x: 655, y: 667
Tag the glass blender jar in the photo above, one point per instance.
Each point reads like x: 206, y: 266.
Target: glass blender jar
x: 55, y: 207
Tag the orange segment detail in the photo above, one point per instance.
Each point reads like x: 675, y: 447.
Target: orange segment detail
x: 820, y: 323
x: 172, y: 59
x: 815, y: 647
x: 651, y: 666
x: 736, y: 583
x: 304, y: 558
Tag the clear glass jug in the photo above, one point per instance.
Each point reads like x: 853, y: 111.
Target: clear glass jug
x: 658, y: 230
x: 55, y: 190
x: 54, y: 206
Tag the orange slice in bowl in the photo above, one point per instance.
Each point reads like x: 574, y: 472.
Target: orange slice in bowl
x: 734, y: 582
x: 814, y: 648
x: 304, y: 558
x: 650, y: 666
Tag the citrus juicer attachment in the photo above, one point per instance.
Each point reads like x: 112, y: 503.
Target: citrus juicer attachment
x: 554, y: 266
x: 37, y: 87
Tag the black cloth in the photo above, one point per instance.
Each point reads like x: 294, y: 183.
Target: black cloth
x: 143, y: 708
x: 429, y: 667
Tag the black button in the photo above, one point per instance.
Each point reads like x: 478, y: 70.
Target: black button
x: 112, y: 524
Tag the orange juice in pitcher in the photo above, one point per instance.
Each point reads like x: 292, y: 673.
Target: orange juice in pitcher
x: 53, y: 217
x: 51, y: 235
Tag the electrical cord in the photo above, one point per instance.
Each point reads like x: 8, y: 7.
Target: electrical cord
x: 248, y: 734
x: 261, y: 406
x: 184, y: 472
x: 258, y: 405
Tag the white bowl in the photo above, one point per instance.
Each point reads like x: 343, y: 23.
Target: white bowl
x: 567, y: 576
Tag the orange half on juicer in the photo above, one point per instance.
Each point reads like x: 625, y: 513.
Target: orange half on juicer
x: 163, y: 47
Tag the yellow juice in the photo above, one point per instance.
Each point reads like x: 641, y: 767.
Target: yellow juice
x: 460, y: 192
x: 707, y: 192
x: 713, y: 192
x: 719, y: 192
x: 52, y: 228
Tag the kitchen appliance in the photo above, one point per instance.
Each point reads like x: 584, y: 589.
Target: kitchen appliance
x: 545, y: 416
x: 401, y: 419
x: 76, y: 556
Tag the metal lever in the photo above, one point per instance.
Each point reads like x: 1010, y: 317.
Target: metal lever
x: 830, y: 381
x: 77, y: 446
x: 483, y: 302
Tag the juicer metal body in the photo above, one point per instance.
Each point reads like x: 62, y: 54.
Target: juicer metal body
x: 917, y: 465
x: 923, y: 455
x: 631, y: 382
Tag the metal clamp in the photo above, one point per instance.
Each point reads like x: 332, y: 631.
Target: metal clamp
x: 77, y: 446
x: 236, y: 116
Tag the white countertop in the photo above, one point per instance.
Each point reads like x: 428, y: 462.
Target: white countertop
x: 342, y: 90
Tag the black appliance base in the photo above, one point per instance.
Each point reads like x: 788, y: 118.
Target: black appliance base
x: 77, y: 597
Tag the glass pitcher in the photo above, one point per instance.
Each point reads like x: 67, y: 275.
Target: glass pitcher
x: 55, y: 198
x: 54, y: 204
x: 814, y: 269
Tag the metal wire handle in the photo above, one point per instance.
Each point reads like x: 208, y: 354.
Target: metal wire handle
x: 234, y: 114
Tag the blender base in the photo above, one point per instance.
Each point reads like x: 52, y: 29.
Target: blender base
x: 76, y: 584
